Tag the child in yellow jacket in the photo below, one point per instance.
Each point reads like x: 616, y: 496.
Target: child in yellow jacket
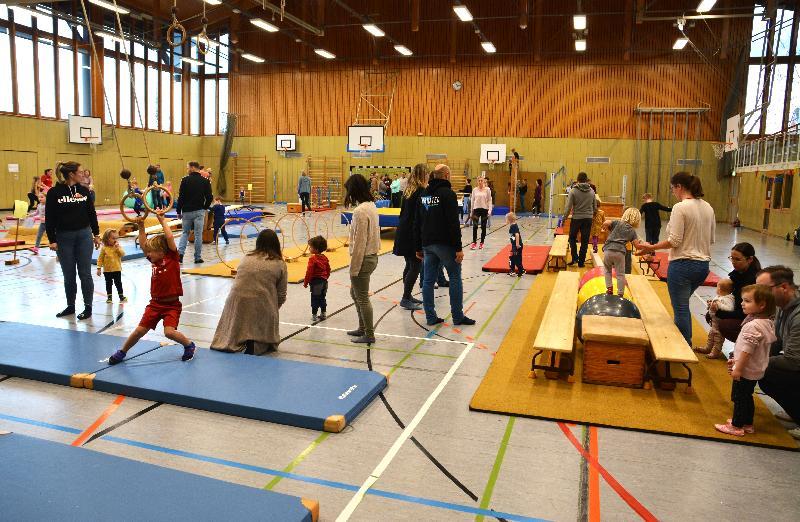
x: 110, y: 262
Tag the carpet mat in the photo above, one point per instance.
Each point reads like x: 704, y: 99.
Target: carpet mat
x: 534, y: 259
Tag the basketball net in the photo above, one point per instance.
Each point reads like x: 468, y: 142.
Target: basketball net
x: 363, y: 153
x: 283, y: 152
x: 719, y: 148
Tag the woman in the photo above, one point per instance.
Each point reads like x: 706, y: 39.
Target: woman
x: 33, y: 195
x: 537, y: 197
x: 88, y: 184
x: 365, y: 241
x: 72, y: 231
x: 481, y: 209
x: 250, y: 319
x: 690, y: 233
x: 404, y: 235
x: 745, y: 268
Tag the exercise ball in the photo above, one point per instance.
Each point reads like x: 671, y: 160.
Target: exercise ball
x: 130, y: 201
x: 591, y: 274
x: 595, y: 286
x: 608, y: 305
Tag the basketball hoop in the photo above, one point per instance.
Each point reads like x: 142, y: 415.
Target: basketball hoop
x: 719, y: 148
x: 363, y: 153
x: 283, y: 152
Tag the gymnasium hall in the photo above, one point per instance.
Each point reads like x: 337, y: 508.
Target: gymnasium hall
x: 317, y: 260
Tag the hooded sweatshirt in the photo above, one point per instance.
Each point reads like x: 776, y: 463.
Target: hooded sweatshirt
x: 755, y: 338
x: 437, y: 220
x: 581, y: 201
x: 69, y: 208
x: 787, y: 328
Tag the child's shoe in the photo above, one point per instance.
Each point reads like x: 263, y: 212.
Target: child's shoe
x: 729, y: 429
x: 35, y: 251
x: 314, y: 318
x: 472, y: 246
x: 322, y: 316
x: 117, y: 358
x: 610, y: 290
x: 188, y: 352
x: 747, y: 428
x: 511, y: 274
x: 109, y: 300
x: 123, y: 299
x: 481, y: 246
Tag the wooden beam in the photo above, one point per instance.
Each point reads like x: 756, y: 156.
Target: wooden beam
x: 37, y: 88
x: 523, y: 14
x: 414, y: 15
x: 628, y: 31
x: 453, y: 39
x: 321, y: 16
x: 537, y: 30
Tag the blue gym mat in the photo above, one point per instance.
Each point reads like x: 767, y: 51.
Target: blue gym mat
x: 132, y: 251
x: 307, y: 395
x: 44, y: 480
x: 384, y: 220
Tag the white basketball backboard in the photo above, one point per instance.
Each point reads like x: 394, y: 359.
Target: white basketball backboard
x: 493, y: 152
x: 85, y: 129
x: 365, y: 138
x: 732, y: 133
x: 285, y: 142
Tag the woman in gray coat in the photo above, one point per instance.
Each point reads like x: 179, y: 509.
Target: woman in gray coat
x: 250, y: 319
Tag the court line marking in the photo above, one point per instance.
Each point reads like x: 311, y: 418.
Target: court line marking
x: 298, y: 459
x: 486, y: 498
x: 100, y: 420
x: 404, y: 436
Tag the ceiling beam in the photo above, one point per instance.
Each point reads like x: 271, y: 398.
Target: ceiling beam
x: 290, y: 17
x: 415, y: 15
x: 321, y: 16
x: 523, y: 14
x: 537, y: 30
x: 628, y: 31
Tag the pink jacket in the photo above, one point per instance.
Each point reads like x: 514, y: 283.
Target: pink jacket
x: 755, y: 338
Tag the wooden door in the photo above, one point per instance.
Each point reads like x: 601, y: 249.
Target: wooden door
x: 767, y: 204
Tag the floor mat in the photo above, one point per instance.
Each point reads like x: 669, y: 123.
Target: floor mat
x: 507, y: 389
x: 661, y: 270
x: 534, y: 259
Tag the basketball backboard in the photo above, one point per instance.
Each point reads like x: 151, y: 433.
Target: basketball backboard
x: 493, y: 152
x: 286, y: 142
x: 365, y: 138
x: 733, y: 129
x: 85, y: 130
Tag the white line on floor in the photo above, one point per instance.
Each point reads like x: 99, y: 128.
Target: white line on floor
x: 351, y: 506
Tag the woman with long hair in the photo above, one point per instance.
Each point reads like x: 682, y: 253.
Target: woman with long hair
x: 250, y: 319
x: 404, y: 244
x: 481, y: 208
x: 745, y: 268
x: 72, y: 230
x: 365, y: 242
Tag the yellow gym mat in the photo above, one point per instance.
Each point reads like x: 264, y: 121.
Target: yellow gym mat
x: 506, y: 388
x: 338, y: 259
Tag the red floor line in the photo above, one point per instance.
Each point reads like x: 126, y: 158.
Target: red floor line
x: 608, y: 477
x: 100, y: 420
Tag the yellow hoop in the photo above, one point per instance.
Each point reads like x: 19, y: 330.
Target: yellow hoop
x: 137, y: 219
x: 221, y: 259
x: 203, y: 36
x: 176, y: 26
x: 157, y: 211
x: 242, y: 236
x: 304, y: 249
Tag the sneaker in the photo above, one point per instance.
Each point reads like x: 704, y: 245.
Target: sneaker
x: 581, y: 265
x: 363, y: 340
x: 117, y: 358
x: 481, y: 246
x: 109, y: 300
x: 322, y: 316
x: 123, y: 299
x: 444, y: 284
x: 227, y: 242
x: 571, y: 262
x: 523, y: 273
x: 512, y: 274
x: 415, y: 300
x: 795, y: 433
x: 87, y: 313
x: 198, y: 261
x: 188, y: 352
x: 70, y: 310
x: 747, y: 428
x: 408, y: 304
x: 729, y: 429
x: 472, y: 246
x: 435, y: 286
x: 358, y: 332
x: 314, y: 318
x: 436, y: 321
x: 35, y: 251
x: 466, y: 321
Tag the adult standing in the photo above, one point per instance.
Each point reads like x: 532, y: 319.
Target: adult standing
x: 304, y: 191
x: 745, y: 269
x: 374, y: 184
x: 152, y: 179
x: 250, y: 319
x: 88, y: 183
x: 522, y: 188
x: 782, y: 378
x: 365, y: 242
x: 537, y: 197
x: 480, y: 209
x: 33, y: 195
x: 403, y: 182
x: 437, y: 236
x: 404, y: 235
x: 583, y: 204
x: 71, y: 223
x: 690, y: 234
x: 396, y: 193
x: 194, y: 198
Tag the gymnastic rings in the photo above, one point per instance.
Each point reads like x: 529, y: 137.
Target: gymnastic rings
x: 342, y: 219
x: 203, y: 38
x: 175, y: 26
x: 302, y: 251
x: 160, y: 211
x: 133, y: 195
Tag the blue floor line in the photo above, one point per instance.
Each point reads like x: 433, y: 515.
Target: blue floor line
x: 267, y: 471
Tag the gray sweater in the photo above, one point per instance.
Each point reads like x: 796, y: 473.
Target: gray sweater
x: 581, y: 201
x: 787, y: 328
x: 304, y: 184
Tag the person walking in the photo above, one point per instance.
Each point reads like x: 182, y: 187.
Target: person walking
x: 537, y: 198
x: 304, y: 191
x: 194, y: 198
x: 583, y: 204
x: 481, y: 202
x: 404, y: 235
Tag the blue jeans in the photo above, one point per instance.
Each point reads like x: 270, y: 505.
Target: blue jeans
x: 40, y: 233
x: 684, y: 276
x: 437, y: 256
x: 75, y: 250
x: 193, y: 220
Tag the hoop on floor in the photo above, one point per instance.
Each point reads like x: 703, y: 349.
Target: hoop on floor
x: 219, y: 255
x: 160, y: 211
x: 304, y: 249
x: 137, y: 219
x: 242, y: 236
x: 339, y: 217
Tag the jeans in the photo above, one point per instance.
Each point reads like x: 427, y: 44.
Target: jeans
x: 114, y: 278
x: 651, y: 235
x: 464, y: 206
x: 75, y: 250
x: 684, y: 276
x: 40, y: 233
x: 305, y: 201
x: 743, y: 406
x: 515, y: 260
x: 783, y: 386
x: 522, y: 201
x: 194, y: 220
x: 359, y: 291
x: 411, y: 274
x: 319, y: 289
x: 437, y: 256
x: 584, y: 226
x: 482, y: 215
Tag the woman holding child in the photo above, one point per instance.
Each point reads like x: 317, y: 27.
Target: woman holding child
x: 745, y: 267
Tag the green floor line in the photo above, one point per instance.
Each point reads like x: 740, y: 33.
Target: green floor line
x: 298, y: 459
x: 497, y: 308
x: 498, y: 462
x: 362, y: 347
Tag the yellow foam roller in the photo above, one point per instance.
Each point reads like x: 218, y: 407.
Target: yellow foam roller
x: 595, y: 286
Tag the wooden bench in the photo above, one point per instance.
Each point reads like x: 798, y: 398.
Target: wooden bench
x: 667, y: 345
x: 557, y: 330
x: 614, y: 350
x: 557, y: 258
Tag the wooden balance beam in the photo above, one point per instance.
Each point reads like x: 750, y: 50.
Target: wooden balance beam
x: 557, y: 330
x: 557, y: 259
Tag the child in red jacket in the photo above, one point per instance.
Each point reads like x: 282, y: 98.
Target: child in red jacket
x: 317, y: 274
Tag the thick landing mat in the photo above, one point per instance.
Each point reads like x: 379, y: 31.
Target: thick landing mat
x: 387, y: 217
x: 661, y: 271
x: 534, y: 259
x: 272, y: 389
x: 44, y: 480
x: 507, y: 389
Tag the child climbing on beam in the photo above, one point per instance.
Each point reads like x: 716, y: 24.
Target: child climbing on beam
x: 165, y: 292
x: 620, y: 232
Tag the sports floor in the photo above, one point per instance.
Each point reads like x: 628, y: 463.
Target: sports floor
x: 460, y: 465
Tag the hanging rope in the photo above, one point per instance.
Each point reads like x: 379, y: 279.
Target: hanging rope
x: 175, y: 25
x: 203, y: 49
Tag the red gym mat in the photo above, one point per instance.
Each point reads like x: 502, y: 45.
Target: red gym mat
x: 534, y: 259
x: 10, y: 242
x: 661, y: 271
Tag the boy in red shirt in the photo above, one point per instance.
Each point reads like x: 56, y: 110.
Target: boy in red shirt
x: 165, y: 292
x: 317, y: 274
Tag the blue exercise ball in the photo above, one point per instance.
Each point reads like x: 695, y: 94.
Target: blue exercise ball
x: 608, y: 305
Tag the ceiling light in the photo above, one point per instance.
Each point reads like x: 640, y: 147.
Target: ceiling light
x: 109, y: 6
x: 112, y: 37
x: 579, y: 22
x: 191, y: 61
x: 325, y: 54
x: 705, y: 6
x: 402, y: 49
x: 212, y: 2
x: 462, y: 13
x: 680, y: 43
x: 580, y: 45
x: 252, y: 58
x: 258, y: 22
x: 374, y: 30
x: 32, y: 12
x: 488, y: 47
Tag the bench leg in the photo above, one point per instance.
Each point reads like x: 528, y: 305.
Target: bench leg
x: 669, y: 382
x: 533, y: 364
x: 554, y: 370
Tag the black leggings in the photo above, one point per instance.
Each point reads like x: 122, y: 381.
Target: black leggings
x: 114, y: 278
x: 482, y: 215
x: 410, y: 274
x: 305, y: 201
x: 743, y: 406
x: 32, y: 201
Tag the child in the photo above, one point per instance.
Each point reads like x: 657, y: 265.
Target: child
x: 42, y: 227
x: 110, y: 261
x: 725, y: 301
x: 219, y: 219
x: 621, y: 231
x: 515, y: 259
x: 597, y: 225
x: 750, y: 357
x: 241, y: 195
x: 133, y: 185
x: 165, y: 292
x: 652, y: 219
x: 317, y: 274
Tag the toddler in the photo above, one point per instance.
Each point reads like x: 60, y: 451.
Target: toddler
x: 241, y: 195
x: 620, y: 232
x: 110, y: 261
x: 317, y: 274
x: 165, y: 292
x: 750, y: 357
x: 597, y: 225
x: 219, y: 219
x: 514, y: 236
x: 133, y: 185
x: 725, y: 301
x: 39, y: 212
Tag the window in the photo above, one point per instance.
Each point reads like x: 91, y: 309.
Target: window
x: 66, y: 81
x: 47, y: 80
x: 26, y: 87
x: 84, y: 84
x: 177, y: 104
x: 139, y: 108
x: 166, y: 107
x: 194, y: 108
x: 223, y: 104
x: 777, y: 192
x: 124, y: 94
x: 6, y: 91
x: 210, y: 107
x: 110, y: 85
x: 776, y: 105
x: 152, y: 98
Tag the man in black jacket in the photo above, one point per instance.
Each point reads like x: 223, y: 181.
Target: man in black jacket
x: 437, y: 236
x: 194, y: 198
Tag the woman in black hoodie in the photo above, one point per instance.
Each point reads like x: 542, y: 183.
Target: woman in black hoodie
x: 404, y: 235
x: 745, y: 268
x: 72, y: 230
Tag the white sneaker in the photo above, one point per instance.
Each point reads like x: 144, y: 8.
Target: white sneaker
x: 795, y: 433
